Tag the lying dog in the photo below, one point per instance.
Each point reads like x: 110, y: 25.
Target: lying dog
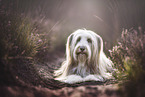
x: 85, y: 59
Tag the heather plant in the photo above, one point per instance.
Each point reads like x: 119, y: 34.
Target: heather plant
x: 129, y: 58
x: 20, y: 38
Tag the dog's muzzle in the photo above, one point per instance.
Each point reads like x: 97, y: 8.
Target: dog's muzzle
x: 81, y: 50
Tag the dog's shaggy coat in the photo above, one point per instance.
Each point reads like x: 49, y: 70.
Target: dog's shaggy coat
x: 85, y: 59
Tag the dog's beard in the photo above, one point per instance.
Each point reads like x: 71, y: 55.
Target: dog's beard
x: 81, y: 66
x: 82, y: 58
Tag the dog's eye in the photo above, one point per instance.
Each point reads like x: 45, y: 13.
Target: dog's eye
x: 78, y: 39
x: 89, y: 40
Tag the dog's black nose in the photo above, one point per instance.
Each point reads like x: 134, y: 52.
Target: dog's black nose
x: 82, y: 48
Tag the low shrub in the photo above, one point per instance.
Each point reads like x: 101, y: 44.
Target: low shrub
x: 21, y: 38
x: 129, y: 58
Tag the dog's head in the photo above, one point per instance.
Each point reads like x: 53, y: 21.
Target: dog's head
x: 84, y: 45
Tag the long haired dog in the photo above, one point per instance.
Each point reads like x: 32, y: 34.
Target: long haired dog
x: 85, y: 59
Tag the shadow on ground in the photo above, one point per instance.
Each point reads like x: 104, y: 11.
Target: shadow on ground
x: 29, y: 78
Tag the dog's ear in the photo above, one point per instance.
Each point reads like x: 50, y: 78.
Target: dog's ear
x: 70, y: 38
x: 98, y: 48
x: 100, y: 43
x: 69, y: 42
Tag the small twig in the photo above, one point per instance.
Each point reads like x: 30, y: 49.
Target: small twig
x: 20, y: 57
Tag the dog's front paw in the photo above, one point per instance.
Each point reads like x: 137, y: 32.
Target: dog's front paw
x: 73, y: 79
x: 93, y: 78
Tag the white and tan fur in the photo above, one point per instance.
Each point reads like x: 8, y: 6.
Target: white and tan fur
x: 85, y: 59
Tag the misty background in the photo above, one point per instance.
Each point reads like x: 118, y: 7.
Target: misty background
x: 106, y: 17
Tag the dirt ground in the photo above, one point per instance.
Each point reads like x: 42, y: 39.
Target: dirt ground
x: 80, y: 91
x: 35, y: 79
